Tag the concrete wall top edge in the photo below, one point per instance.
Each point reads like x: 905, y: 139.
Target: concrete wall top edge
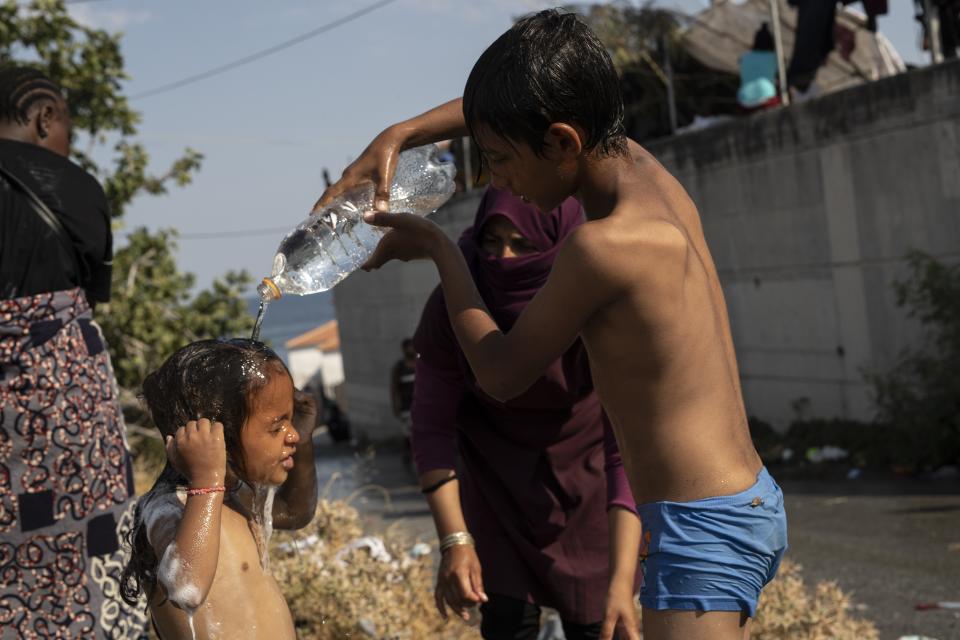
x: 916, y: 96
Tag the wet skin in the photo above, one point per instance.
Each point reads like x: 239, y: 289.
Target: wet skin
x: 242, y: 600
x: 636, y: 283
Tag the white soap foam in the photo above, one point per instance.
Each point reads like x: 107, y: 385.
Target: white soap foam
x: 180, y: 590
x: 159, y: 513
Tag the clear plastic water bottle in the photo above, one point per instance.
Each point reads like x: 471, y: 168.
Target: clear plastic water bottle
x: 331, y: 244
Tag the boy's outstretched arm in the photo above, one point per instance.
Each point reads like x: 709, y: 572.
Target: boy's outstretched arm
x: 379, y: 160
x: 296, y: 500
x: 187, y: 538
x: 505, y: 365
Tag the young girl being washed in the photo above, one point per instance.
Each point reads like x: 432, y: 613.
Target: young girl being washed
x: 239, y: 462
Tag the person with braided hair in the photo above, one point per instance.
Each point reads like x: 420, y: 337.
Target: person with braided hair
x: 36, y: 257
x: 66, y: 483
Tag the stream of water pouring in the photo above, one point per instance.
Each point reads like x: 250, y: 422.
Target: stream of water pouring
x: 255, y: 336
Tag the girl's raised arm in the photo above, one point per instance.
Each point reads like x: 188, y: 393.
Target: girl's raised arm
x: 187, y: 538
x: 296, y: 500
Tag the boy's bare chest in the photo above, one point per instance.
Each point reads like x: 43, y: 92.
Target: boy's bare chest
x: 619, y: 340
x: 639, y: 348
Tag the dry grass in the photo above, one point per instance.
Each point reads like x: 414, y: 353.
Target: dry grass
x: 789, y: 610
x: 365, y: 597
x: 148, y: 460
x: 335, y: 593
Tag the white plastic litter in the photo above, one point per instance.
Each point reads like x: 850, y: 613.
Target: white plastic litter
x: 299, y: 545
x: 378, y: 551
x: 826, y: 454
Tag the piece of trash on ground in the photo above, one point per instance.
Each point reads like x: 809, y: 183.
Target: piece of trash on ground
x: 551, y: 627
x: 930, y: 606
x: 299, y: 544
x: 946, y: 472
x: 832, y: 502
x: 378, y: 551
x: 828, y: 453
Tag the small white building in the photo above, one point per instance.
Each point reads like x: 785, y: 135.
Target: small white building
x: 314, y: 357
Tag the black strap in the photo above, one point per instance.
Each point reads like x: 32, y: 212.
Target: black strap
x: 432, y: 488
x: 46, y: 215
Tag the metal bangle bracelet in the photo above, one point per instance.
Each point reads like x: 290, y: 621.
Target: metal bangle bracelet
x: 456, y: 539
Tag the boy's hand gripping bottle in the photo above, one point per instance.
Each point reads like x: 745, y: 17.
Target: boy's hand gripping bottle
x: 329, y: 245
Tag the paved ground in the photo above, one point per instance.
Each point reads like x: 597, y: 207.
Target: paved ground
x: 891, y: 543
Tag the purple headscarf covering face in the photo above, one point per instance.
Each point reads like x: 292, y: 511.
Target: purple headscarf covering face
x: 531, y: 468
x: 508, y: 284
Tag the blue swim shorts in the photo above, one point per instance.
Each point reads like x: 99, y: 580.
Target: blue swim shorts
x: 714, y: 554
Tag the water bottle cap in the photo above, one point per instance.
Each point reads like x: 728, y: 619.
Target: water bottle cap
x: 270, y: 289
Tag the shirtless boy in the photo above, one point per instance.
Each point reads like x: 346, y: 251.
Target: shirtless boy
x: 637, y: 283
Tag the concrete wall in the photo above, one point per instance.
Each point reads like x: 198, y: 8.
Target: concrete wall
x: 808, y: 211
x: 375, y: 312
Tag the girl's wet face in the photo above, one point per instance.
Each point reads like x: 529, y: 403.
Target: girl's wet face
x: 268, y: 437
x: 501, y: 238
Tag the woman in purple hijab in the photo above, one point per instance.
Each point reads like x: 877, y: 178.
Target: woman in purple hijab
x: 521, y: 488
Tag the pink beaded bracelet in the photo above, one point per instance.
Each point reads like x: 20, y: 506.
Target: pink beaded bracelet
x: 205, y: 490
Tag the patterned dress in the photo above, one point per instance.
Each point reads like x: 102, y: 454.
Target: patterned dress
x: 66, y: 481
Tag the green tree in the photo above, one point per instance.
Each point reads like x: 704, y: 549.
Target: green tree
x: 920, y: 395
x: 151, y: 312
x: 639, y: 38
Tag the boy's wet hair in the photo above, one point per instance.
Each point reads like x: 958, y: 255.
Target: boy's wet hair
x: 214, y: 379
x: 549, y: 67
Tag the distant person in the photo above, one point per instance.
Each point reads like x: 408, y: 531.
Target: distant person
x: 338, y: 426
x: 814, y: 39
x: 525, y: 478
x: 66, y: 484
x: 758, y: 74
x: 948, y: 12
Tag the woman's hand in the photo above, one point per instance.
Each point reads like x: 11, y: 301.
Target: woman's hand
x: 459, y: 581
x: 410, y: 237
x: 376, y: 164
x: 197, y: 451
x: 620, y: 613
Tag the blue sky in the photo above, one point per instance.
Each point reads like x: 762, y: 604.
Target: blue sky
x: 267, y: 129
